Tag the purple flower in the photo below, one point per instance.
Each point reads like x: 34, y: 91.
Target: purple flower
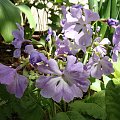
x: 116, y: 50
x: 116, y: 36
x: 35, y: 56
x: 100, y: 48
x: 62, y: 46
x: 19, y: 36
x: 98, y: 66
x: 19, y: 39
x: 66, y: 84
x: 112, y: 22
x: 91, y: 16
x: 50, y: 33
x: 83, y: 39
x: 15, y: 83
x: 17, y: 53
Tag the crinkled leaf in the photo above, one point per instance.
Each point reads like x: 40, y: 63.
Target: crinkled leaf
x: 94, y: 106
x: 112, y: 95
x: 70, y: 115
x: 9, y: 16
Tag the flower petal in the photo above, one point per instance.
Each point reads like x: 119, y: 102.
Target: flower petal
x: 17, y: 53
x: 18, y: 86
x: 54, y: 66
x: 7, y: 74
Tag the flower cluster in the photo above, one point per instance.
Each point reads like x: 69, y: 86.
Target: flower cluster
x: 19, y: 39
x: 66, y: 78
x: 15, y: 83
x: 63, y: 84
x: 116, y: 43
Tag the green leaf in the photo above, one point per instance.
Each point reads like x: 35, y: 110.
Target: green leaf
x: 93, y: 5
x: 9, y: 16
x: 100, y: 4
x: 27, y: 11
x: 91, y: 109
x: 116, y: 66
x: 40, y: 6
x: 112, y: 95
x: 73, y: 115
x: 113, y: 8
x: 98, y: 98
x: 106, y: 9
x: 35, y: 113
x: 93, y: 106
x: 106, y: 79
x: 70, y: 115
x: 61, y: 116
x: 58, y: 1
x: 96, y: 85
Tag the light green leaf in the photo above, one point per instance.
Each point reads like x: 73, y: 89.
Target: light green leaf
x: 58, y: 1
x: 9, y: 16
x: 27, y: 11
x: 106, y: 79
x: 116, y: 66
x: 96, y: 85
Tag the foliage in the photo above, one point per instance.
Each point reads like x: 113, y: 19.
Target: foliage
x: 9, y: 16
x: 98, y: 96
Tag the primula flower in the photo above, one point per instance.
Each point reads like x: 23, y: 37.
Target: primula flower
x: 35, y: 56
x: 116, y: 50
x: 98, y: 66
x: 66, y: 84
x: 19, y: 39
x: 100, y: 48
x: 19, y: 36
x: 91, y: 16
x: 112, y: 22
x: 62, y: 46
x: 50, y: 33
x: 15, y: 83
x: 116, y: 35
x: 83, y: 39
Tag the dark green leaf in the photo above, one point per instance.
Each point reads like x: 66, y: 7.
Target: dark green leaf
x: 40, y: 6
x: 112, y: 101
x: 93, y: 106
x: 106, y: 9
x: 70, y: 115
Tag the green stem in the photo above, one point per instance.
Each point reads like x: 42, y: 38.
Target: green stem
x: 86, y: 58
x: 22, y: 65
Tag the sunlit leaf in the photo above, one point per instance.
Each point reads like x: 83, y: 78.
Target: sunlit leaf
x: 9, y: 16
x: 27, y: 11
x: 96, y: 85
